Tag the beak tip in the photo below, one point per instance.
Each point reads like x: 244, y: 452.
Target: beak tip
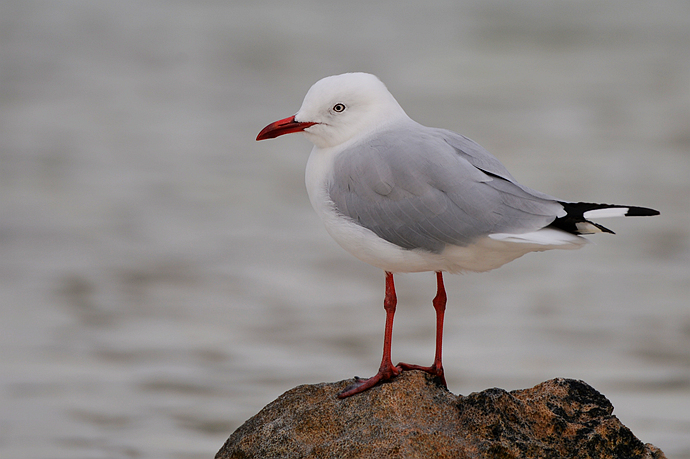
x: 284, y: 126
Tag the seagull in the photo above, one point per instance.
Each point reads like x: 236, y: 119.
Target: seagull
x: 409, y: 198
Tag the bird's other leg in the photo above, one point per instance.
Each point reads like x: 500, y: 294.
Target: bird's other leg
x: 439, y: 303
x: 386, y: 370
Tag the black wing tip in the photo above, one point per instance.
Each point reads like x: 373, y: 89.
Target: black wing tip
x: 573, y: 221
x: 641, y: 212
x: 579, y: 208
x: 601, y: 227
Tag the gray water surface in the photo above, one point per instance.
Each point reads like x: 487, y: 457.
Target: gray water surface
x: 163, y: 276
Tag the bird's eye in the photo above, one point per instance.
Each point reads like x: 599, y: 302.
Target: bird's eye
x: 339, y: 108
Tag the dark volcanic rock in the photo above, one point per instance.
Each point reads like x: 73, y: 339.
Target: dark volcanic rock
x: 412, y: 417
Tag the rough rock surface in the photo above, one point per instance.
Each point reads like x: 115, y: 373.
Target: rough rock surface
x: 412, y: 417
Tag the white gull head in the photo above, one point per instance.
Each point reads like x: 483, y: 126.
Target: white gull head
x: 347, y: 106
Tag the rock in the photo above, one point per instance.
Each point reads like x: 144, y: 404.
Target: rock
x: 412, y: 417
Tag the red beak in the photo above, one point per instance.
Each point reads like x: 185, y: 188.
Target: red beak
x: 280, y: 127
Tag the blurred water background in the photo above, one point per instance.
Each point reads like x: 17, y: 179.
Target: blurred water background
x: 163, y: 276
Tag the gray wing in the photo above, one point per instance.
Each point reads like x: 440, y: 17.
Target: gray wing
x: 424, y: 188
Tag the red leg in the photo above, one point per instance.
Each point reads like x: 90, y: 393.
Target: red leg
x: 386, y: 370
x: 439, y: 303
